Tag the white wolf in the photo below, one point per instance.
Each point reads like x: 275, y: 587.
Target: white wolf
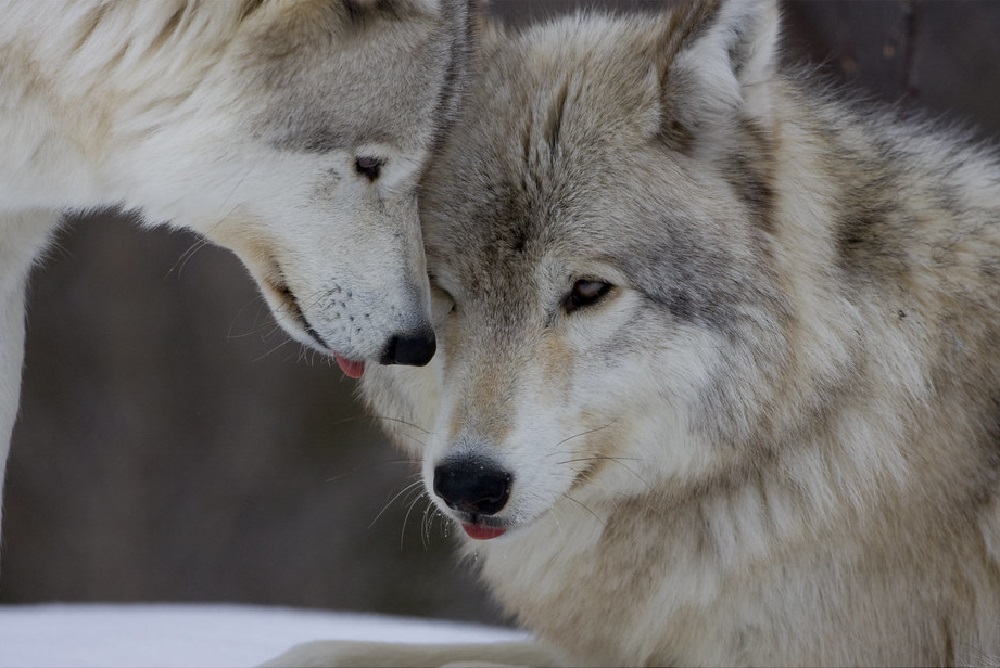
x: 719, y: 369
x: 290, y: 131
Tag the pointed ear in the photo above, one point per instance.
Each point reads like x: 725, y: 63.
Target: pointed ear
x: 715, y: 60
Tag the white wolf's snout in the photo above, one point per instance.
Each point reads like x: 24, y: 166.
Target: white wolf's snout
x: 340, y: 262
x: 355, y: 327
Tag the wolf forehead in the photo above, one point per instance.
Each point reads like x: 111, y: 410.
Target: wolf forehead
x: 323, y: 70
x: 560, y: 156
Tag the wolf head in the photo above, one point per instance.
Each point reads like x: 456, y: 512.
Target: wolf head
x: 596, y: 243
x: 290, y: 131
x: 346, y: 99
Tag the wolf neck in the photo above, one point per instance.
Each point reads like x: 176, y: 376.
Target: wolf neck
x: 94, y: 64
x: 673, y: 573
x: 648, y: 563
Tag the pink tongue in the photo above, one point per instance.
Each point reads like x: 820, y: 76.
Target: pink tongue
x: 350, y: 367
x: 478, y: 532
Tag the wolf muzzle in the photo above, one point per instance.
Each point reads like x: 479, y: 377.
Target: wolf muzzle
x: 410, y: 349
x: 474, y: 486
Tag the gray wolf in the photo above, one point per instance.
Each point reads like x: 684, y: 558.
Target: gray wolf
x: 292, y: 132
x: 718, y: 379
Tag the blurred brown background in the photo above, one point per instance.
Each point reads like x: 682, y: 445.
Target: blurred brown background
x: 172, y: 446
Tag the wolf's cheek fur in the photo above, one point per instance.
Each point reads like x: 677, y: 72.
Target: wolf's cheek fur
x: 619, y: 416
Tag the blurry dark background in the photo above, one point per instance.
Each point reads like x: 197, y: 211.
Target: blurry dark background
x: 172, y: 446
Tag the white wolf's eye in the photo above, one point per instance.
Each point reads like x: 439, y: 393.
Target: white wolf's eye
x: 368, y: 166
x: 585, y: 293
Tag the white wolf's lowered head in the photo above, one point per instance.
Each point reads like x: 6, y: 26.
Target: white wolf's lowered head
x: 719, y: 356
x: 293, y: 132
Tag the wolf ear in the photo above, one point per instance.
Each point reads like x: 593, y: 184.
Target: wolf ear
x: 715, y: 58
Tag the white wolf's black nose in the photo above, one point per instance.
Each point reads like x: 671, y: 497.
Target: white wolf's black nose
x: 472, y: 486
x: 412, y: 349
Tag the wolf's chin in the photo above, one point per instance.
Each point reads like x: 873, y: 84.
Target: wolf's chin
x: 289, y: 315
x: 300, y: 330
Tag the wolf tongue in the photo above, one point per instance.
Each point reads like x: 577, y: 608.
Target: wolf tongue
x: 350, y: 367
x: 479, y: 532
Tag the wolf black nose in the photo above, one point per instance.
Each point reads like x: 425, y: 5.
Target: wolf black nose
x: 472, y: 487
x: 413, y: 349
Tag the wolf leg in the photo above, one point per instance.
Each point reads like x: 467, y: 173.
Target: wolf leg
x: 386, y: 655
x: 23, y: 235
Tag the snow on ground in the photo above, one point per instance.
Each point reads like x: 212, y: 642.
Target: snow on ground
x: 197, y: 635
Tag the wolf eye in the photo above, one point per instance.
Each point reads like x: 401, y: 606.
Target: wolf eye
x: 585, y: 293
x: 441, y: 300
x: 368, y: 166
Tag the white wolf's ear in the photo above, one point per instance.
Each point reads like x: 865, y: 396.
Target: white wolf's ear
x: 715, y: 58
